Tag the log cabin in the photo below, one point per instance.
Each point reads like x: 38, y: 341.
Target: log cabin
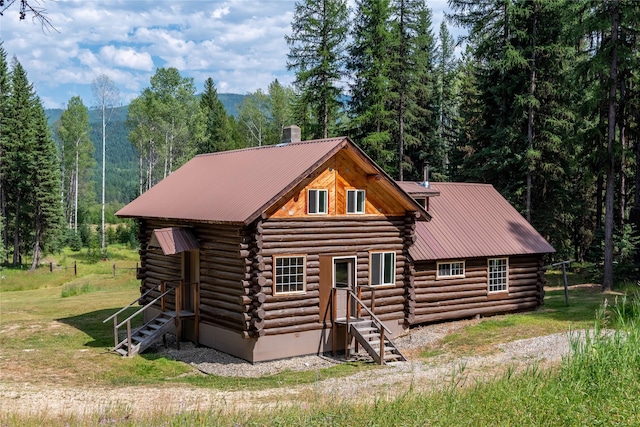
x: 309, y: 247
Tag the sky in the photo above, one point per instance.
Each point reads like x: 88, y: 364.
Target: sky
x: 238, y: 43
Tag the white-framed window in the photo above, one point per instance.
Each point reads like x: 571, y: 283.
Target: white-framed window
x: 290, y: 274
x: 382, y: 268
x: 317, y: 201
x: 355, y: 201
x: 450, y: 270
x: 498, y: 274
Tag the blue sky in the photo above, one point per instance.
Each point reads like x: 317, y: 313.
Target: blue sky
x: 238, y: 43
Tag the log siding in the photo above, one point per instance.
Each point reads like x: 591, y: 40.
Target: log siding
x: 315, y: 236
x: 468, y: 296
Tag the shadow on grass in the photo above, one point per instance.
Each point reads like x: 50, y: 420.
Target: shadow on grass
x: 92, y: 324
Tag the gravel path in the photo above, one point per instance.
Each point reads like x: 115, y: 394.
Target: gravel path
x: 27, y: 398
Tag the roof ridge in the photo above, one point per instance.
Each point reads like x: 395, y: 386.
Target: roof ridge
x: 262, y: 147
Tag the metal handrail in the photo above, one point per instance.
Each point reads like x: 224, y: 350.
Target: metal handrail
x: 373, y: 316
x: 130, y: 304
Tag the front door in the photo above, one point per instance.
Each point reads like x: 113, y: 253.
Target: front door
x: 344, y: 279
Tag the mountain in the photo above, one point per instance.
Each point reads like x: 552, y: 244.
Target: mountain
x: 121, y: 177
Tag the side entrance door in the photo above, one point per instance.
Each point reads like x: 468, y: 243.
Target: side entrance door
x: 344, y: 279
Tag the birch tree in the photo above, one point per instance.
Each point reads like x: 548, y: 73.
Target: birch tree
x: 107, y: 98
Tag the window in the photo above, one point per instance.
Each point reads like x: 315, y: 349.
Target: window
x: 448, y: 270
x: 355, y: 201
x: 290, y: 274
x: 422, y: 201
x: 383, y: 268
x: 498, y: 274
x: 317, y: 201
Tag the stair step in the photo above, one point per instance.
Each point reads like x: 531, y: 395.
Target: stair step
x: 366, y: 328
x: 163, y: 319
x: 146, y: 332
x: 154, y: 326
x: 121, y: 351
x: 392, y: 356
x: 367, y: 336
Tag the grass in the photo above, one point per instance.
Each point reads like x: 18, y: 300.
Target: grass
x: 553, y: 317
x: 51, y: 332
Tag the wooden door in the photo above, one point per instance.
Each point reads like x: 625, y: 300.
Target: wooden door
x: 344, y: 279
x: 190, y: 276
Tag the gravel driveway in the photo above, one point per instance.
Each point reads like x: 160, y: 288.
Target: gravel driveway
x: 386, y: 382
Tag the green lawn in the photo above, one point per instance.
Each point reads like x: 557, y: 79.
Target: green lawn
x: 54, y: 320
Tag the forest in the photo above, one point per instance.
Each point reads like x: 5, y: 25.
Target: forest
x: 540, y: 98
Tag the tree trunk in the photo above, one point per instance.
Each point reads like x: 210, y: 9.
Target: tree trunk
x: 607, y: 281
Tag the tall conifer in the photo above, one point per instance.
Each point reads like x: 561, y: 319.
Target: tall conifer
x: 317, y: 55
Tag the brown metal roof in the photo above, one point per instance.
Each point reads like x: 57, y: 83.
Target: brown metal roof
x: 474, y: 220
x: 238, y: 186
x: 173, y: 240
x: 417, y: 189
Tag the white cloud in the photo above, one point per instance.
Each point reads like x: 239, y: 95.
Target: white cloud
x: 127, y: 58
x: 238, y: 43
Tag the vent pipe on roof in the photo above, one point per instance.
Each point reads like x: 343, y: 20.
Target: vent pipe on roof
x: 291, y: 134
x: 425, y: 183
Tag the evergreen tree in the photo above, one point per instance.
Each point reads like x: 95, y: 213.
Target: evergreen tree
x: 317, y: 54
x: 17, y: 159
x: 420, y: 133
x: 447, y: 96
x: 408, y: 34
x: 372, y: 121
x: 4, y: 105
x: 30, y: 169
x: 218, y: 131
x: 45, y: 178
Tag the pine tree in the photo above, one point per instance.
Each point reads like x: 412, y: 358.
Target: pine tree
x: 317, y: 54
x: 218, y: 133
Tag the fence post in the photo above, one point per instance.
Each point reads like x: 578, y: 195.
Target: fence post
x: 51, y: 267
x: 114, y: 269
x: 75, y: 268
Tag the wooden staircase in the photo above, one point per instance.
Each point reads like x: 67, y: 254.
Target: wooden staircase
x: 148, y: 334
x: 136, y: 341
x: 371, y: 337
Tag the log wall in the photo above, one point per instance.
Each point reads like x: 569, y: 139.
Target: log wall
x: 346, y: 236
x: 448, y: 299
x: 227, y: 261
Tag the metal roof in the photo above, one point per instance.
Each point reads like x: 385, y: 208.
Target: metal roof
x: 417, y: 189
x: 173, y: 240
x: 240, y: 185
x: 474, y: 220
